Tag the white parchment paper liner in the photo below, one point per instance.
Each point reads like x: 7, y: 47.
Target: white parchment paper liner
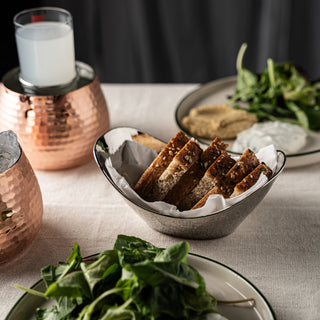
x: 129, y: 161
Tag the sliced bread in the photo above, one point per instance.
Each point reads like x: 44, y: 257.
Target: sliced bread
x: 215, y: 173
x: 247, y: 182
x: 149, y: 141
x: 191, y: 178
x: 182, y: 161
x: 246, y: 164
x: 159, y: 164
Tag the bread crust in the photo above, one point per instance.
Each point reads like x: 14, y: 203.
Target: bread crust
x: 159, y: 164
x: 149, y: 141
x: 212, y: 152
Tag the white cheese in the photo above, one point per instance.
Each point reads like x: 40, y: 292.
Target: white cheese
x: 284, y: 136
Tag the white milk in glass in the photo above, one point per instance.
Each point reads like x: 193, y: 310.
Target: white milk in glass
x: 46, y: 53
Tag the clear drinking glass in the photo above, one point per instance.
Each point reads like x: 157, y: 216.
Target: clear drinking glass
x: 45, y: 43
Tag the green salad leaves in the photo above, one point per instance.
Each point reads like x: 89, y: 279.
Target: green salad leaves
x: 279, y: 93
x: 134, y: 280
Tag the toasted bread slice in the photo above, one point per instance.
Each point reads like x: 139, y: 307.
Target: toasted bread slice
x: 160, y: 164
x: 246, y: 164
x: 192, y: 177
x: 212, y: 152
x: 247, y: 182
x: 183, y: 160
x: 186, y: 183
x: 212, y: 176
x: 149, y: 141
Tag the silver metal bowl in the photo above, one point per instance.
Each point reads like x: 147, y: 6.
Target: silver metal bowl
x: 214, y: 225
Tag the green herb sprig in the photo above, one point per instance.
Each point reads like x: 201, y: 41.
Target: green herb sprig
x: 280, y: 93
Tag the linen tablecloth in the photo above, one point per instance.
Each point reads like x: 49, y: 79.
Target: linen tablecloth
x: 277, y: 247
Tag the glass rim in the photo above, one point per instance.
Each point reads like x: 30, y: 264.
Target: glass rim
x: 39, y: 9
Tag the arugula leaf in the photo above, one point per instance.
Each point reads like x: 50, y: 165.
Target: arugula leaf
x: 279, y: 93
x: 313, y: 115
x: 300, y: 114
x: 247, y: 82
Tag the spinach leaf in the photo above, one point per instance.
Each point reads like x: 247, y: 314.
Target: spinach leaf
x: 133, y: 249
x: 175, y: 253
x: 73, y: 285
x: 103, y: 268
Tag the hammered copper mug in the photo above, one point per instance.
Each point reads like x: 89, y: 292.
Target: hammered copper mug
x: 21, y: 206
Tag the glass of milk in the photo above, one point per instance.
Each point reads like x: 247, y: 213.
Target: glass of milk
x: 45, y: 44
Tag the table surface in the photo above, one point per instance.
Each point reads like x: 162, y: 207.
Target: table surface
x: 277, y: 247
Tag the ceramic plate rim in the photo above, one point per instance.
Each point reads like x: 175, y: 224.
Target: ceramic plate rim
x: 198, y: 256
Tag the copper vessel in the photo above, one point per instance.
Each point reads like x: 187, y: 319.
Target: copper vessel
x: 56, y: 131
x: 21, y: 205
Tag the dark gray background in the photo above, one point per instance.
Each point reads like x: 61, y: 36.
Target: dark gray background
x: 182, y: 41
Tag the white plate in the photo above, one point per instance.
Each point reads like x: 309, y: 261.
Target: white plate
x: 217, y: 92
x: 222, y: 282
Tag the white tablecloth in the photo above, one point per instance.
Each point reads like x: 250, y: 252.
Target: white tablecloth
x: 277, y: 247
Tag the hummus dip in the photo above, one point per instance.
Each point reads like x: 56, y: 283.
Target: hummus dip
x: 217, y: 121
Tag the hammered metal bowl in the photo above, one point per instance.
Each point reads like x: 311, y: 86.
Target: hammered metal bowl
x: 21, y: 205
x: 55, y: 131
x: 214, y: 225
